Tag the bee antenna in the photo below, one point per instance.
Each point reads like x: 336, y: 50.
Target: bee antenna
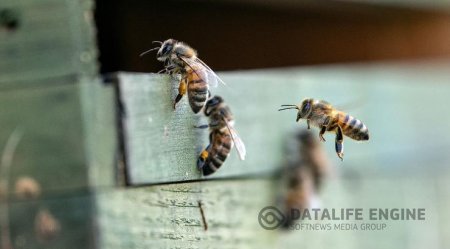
x: 288, y: 108
x: 288, y: 105
x: 159, y: 42
x: 146, y: 52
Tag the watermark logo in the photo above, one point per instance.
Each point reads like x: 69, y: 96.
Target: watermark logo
x: 270, y: 218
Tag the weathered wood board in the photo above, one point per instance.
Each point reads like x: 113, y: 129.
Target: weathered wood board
x: 387, y: 192
x: 51, y: 149
x: 153, y: 133
x: 47, y: 45
x: 67, y: 148
x: 71, y: 224
x: 398, y: 102
x: 167, y: 216
x: 99, y: 105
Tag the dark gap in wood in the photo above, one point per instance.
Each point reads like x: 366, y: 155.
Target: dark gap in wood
x: 259, y: 176
x: 122, y: 176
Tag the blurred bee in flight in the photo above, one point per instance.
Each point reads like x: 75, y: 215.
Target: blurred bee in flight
x: 222, y: 137
x: 323, y: 115
x: 304, y: 173
x: 195, y: 76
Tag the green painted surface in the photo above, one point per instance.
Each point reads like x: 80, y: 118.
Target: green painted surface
x: 51, y: 149
x: 396, y: 102
x: 168, y: 216
x: 47, y: 45
x: 160, y: 143
x: 48, y: 62
x: 72, y: 214
x: 404, y: 165
x: 100, y: 127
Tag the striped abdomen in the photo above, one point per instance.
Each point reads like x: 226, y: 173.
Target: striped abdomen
x: 218, y: 151
x: 197, y: 89
x: 352, y: 127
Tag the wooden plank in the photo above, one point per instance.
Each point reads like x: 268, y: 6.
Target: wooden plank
x: 64, y: 222
x: 162, y: 145
x: 155, y: 121
x: 44, y: 46
x: 367, y: 192
x: 51, y: 149
x: 99, y: 106
x: 168, y: 216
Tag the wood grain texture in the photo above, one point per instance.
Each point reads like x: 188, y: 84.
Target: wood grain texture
x: 45, y: 46
x: 396, y: 102
x: 168, y: 216
x: 154, y: 133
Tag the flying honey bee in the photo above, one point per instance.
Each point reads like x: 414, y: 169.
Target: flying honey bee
x: 323, y: 115
x: 305, y: 171
x: 222, y: 137
x: 196, y: 77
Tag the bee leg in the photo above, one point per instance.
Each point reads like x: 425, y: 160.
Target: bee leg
x: 339, y: 143
x: 308, y: 123
x: 322, y: 131
x: 203, y: 158
x: 170, y: 68
x: 164, y: 70
x: 201, y: 126
x: 181, y: 91
x: 214, y: 124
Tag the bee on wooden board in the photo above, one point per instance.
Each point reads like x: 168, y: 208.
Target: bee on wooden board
x: 222, y: 137
x: 323, y: 115
x: 196, y: 77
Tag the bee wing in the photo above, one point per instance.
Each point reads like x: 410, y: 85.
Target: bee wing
x: 210, y: 71
x: 204, y: 72
x: 240, y: 147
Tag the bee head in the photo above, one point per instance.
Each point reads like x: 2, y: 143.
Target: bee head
x: 166, y: 49
x: 212, y: 103
x: 304, y: 109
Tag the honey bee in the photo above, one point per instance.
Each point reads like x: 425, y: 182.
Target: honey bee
x: 323, y: 115
x: 222, y: 137
x: 306, y: 169
x: 196, y: 77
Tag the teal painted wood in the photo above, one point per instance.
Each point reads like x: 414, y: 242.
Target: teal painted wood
x: 70, y: 225
x: 51, y: 149
x: 156, y: 137
x: 99, y: 106
x: 396, y: 102
x: 67, y: 149
x: 45, y: 46
x: 168, y: 216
